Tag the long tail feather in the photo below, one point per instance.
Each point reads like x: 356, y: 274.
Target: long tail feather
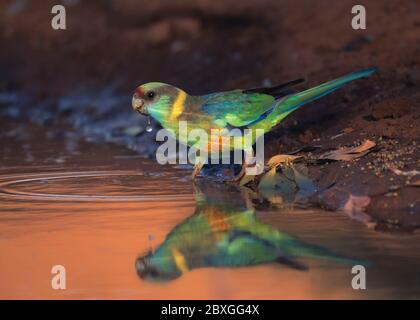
x: 315, y: 252
x: 296, y: 100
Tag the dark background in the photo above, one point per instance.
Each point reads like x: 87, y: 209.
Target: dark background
x: 203, y: 46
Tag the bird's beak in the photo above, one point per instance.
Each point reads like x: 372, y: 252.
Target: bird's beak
x: 138, y: 105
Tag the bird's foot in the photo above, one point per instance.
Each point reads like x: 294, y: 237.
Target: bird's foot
x: 197, y: 169
x: 240, y: 175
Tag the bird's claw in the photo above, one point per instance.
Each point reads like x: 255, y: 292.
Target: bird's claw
x: 197, y: 170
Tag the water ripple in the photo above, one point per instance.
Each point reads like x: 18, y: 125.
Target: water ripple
x: 88, y: 186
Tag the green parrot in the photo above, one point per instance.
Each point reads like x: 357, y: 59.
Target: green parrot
x: 223, y: 232
x: 258, y: 108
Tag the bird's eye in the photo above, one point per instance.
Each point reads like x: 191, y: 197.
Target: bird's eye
x: 151, y: 94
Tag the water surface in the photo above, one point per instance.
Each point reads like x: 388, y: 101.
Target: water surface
x: 125, y: 227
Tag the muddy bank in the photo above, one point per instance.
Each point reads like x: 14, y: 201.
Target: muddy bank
x: 82, y: 78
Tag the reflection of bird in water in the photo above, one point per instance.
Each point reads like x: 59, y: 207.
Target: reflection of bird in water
x: 224, y: 233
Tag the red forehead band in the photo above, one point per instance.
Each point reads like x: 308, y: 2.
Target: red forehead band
x: 139, y: 92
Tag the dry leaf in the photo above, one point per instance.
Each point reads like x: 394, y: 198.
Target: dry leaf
x: 345, y: 131
x: 349, y: 154
x: 276, y: 188
x: 268, y: 181
x: 277, y: 160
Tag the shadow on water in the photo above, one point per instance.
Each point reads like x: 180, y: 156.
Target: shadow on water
x: 224, y: 231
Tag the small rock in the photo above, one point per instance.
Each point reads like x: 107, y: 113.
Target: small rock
x: 391, y: 194
x: 134, y: 131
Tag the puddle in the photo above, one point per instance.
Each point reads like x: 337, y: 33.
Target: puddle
x: 124, y: 227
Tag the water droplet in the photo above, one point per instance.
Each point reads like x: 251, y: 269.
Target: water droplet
x: 149, y: 127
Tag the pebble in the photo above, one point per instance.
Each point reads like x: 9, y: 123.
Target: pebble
x: 391, y: 194
x: 134, y: 131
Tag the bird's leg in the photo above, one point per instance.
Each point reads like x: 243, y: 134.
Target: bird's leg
x: 245, y: 164
x: 197, y: 169
x: 239, y: 176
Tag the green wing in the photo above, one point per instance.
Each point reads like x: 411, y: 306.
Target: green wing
x: 237, y: 108
x: 240, y: 108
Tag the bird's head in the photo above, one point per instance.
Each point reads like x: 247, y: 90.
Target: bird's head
x: 155, y: 99
x: 157, y: 268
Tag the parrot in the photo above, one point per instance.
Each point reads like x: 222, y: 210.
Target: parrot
x: 226, y: 233
x: 257, y: 108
